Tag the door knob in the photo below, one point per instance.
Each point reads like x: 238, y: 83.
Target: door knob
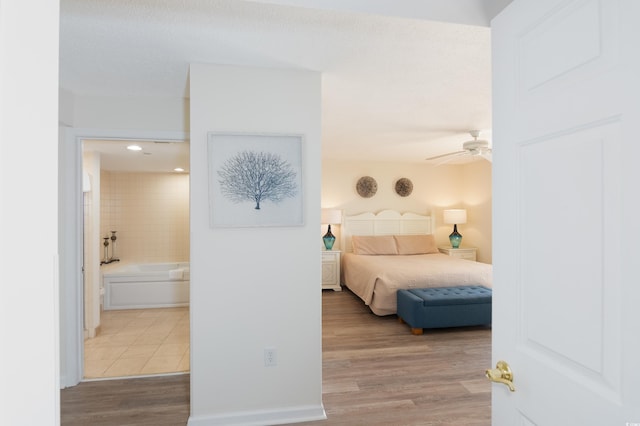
x: 501, y: 374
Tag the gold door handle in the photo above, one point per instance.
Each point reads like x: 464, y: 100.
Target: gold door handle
x: 501, y: 374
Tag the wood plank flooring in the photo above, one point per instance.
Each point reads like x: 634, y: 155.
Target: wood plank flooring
x: 375, y: 372
x: 149, y: 401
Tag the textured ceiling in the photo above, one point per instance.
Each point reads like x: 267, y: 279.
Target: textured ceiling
x: 393, y: 88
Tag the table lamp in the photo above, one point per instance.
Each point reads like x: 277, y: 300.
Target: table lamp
x: 455, y: 217
x: 329, y: 217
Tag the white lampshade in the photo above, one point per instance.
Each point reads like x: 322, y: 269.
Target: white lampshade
x: 331, y: 216
x: 455, y: 216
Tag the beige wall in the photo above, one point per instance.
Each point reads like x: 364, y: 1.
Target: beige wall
x: 476, y: 195
x: 91, y: 202
x: 434, y: 189
x: 150, y: 212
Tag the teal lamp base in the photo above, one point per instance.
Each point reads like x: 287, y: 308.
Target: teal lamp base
x: 455, y: 237
x: 328, y: 239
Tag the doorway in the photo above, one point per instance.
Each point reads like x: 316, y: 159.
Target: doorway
x: 135, y: 250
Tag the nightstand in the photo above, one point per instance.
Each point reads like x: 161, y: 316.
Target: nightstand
x: 467, y: 253
x: 331, y: 270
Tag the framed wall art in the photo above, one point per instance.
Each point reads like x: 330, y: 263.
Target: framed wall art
x: 255, y: 180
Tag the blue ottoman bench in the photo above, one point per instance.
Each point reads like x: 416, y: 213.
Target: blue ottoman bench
x: 441, y: 307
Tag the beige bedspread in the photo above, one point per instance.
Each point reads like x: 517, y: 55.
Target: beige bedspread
x: 375, y: 279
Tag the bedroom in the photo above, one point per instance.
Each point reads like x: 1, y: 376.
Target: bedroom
x: 434, y: 189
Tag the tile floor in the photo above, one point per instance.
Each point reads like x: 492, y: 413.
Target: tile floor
x: 139, y: 342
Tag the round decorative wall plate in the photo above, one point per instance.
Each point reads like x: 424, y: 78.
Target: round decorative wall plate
x: 404, y: 187
x: 367, y: 187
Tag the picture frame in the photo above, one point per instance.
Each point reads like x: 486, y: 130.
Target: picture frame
x: 255, y: 179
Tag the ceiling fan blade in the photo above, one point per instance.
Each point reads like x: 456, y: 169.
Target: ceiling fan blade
x: 487, y: 156
x: 445, y: 155
x: 450, y: 158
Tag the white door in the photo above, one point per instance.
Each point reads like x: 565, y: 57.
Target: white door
x: 566, y: 173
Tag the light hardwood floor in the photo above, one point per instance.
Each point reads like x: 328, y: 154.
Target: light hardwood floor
x: 375, y: 372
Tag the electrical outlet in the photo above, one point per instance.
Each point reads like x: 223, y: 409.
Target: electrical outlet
x: 270, y: 357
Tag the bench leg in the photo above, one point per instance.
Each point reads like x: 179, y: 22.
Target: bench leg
x: 416, y: 331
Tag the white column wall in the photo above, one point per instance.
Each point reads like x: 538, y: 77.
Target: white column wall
x: 253, y: 288
x: 28, y: 212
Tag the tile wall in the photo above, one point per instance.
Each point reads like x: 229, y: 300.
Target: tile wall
x: 150, y: 212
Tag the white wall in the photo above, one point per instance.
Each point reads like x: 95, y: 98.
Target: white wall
x: 253, y: 288
x: 135, y: 113
x: 28, y: 213
x: 66, y: 102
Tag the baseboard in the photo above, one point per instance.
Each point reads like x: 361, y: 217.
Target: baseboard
x: 91, y: 333
x: 63, y: 381
x: 261, y: 418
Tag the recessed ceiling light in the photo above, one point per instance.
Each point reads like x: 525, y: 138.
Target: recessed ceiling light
x: 178, y: 169
x: 134, y: 148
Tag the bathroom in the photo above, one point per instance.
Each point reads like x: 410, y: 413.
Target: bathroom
x: 136, y: 222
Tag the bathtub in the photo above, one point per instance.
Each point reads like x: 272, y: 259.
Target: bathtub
x: 141, y: 286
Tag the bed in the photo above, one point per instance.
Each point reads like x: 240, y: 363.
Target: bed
x: 388, y: 251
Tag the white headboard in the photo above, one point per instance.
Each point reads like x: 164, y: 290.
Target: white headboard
x: 386, y: 222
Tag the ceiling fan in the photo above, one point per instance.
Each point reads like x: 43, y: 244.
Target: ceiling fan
x: 473, y: 148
